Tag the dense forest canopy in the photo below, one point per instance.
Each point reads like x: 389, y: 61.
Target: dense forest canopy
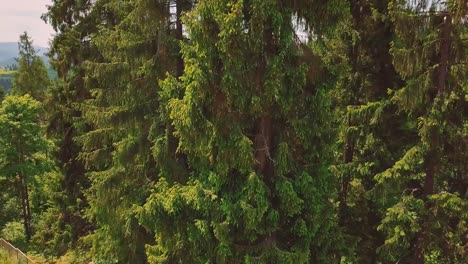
x: 240, y: 131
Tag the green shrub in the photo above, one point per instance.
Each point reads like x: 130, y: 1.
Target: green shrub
x: 13, y: 232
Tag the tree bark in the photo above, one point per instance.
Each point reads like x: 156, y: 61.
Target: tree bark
x: 263, y: 141
x: 348, y: 158
x: 26, y: 210
x: 263, y: 125
x: 179, y: 34
x: 444, y: 54
x: 431, y: 157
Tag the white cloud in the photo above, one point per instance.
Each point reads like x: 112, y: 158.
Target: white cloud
x: 17, y: 16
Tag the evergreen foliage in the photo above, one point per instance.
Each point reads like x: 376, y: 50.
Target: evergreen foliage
x: 428, y: 222
x: 31, y: 76
x: 74, y: 23
x: 240, y: 131
x: 123, y: 114
x: 371, y: 134
x: 255, y: 133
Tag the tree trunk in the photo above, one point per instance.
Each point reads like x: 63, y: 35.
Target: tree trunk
x: 263, y: 140
x: 179, y: 35
x: 26, y: 210
x: 444, y: 55
x: 348, y: 158
x: 428, y: 190
x: 431, y: 157
x: 263, y: 125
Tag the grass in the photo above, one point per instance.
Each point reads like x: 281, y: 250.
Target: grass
x: 4, y: 257
x: 6, y: 72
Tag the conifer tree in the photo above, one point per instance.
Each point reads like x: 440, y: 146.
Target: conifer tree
x: 368, y: 125
x: 31, y: 76
x: 138, y: 47
x: 256, y: 137
x: 203, y: 132
x: 427, y: 223
x: 73, y: 23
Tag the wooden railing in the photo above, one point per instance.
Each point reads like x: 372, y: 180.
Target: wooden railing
x: 16, y: 256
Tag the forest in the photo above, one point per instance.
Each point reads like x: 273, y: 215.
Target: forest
x: 240, y: 131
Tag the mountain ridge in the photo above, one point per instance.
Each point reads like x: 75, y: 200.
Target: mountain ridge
x: 9, y: 51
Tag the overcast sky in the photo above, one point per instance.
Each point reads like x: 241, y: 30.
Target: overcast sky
x: 17, y: 16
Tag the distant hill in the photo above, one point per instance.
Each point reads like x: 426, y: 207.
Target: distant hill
x: 6, y: 79
x: 9, y: 51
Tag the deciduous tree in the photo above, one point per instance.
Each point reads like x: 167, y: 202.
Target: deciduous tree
x: 24, y: 151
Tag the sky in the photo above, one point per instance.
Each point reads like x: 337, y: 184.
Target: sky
x: 17, y: 16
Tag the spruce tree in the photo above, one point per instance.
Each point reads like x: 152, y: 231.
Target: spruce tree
x: 371, y: 135
x: 31, y: 76
x: 256, y: 136
x: 138, y: 46
x: 73, y: 23
x: 203, y: 132
x: 427, y: 223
